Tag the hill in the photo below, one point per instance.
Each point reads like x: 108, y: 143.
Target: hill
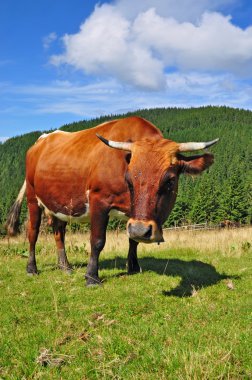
x: 223, y: 192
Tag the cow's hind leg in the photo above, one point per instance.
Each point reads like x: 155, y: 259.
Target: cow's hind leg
x: 99, y: 222
x: 59, y: 230
x: 33, y: 230
x: 132, y: 262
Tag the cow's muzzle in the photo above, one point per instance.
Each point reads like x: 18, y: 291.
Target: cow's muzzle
x: 144, y: 231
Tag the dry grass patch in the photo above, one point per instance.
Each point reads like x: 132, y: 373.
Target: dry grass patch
x: 228, y: 242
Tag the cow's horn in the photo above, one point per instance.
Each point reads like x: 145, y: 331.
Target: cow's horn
x: 190, y: 146
x: 116, y: 144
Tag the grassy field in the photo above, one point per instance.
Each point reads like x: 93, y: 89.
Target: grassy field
x: 188, y: 315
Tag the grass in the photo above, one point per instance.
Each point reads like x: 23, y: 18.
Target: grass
x: 186, y: 316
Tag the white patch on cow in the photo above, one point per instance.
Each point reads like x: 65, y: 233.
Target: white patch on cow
x: 70, y: 219
x: 48, y: 134
x: 43, y: 136
x: 113, y: 214
x: 106, y: 122
x: 64, y: 217
x: 59, y: 131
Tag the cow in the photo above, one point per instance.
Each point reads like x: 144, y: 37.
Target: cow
x: 123, y: 167
x: 229, y: 224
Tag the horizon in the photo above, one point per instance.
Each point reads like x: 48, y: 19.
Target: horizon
x: 61, y: 64
x: 4, y: 139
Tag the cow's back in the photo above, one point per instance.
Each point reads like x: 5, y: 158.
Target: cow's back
x: 81, y: 151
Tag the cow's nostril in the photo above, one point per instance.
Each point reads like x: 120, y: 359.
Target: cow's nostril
x: 148, y: 233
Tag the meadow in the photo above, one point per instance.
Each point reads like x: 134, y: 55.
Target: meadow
x: 188, y: 315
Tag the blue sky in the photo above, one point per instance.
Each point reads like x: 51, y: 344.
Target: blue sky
x: 64, y: 61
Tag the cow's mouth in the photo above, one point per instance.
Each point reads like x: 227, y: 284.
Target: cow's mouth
x: 144, y: 231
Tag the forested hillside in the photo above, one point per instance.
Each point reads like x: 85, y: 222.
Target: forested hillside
x: 224, y: 192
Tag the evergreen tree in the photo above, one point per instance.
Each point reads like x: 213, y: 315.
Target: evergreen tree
x: 235, y: 199
x: 206, y: 202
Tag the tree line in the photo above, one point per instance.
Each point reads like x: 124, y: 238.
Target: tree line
x: 221, y: 193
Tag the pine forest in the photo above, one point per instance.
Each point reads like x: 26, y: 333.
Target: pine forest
x: 221, y: 193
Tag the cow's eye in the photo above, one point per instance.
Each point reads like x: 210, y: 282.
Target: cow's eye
x: 167, y: 185
x: 128, y: 157
x: 170, y: 184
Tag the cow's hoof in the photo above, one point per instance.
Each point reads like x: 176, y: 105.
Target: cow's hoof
x: 134, y: 271
x: 31, y: 270
x: 32, y: 273
x: 92, y: 281
x: 65, y: 268
x: 90, y: 285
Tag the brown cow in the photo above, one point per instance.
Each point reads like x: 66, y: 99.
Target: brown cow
x: 75, y: 177
x: 229, y: 224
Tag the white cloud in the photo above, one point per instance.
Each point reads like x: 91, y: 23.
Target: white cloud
x: 49, y: 39
x: 213, y: 44
x: 180, y: 10
x: 3, y: 139
x: 138, y: 49
x: 105, y: 45
x: 110, y: 97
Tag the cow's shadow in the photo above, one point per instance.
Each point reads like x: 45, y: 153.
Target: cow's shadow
x: 194, y: 274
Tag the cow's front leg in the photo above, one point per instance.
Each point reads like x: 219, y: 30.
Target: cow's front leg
x: 99, y: 221
x: 132, y: 263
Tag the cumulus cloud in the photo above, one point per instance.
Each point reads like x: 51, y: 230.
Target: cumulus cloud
x: 138, y: 48
x: 105, y: 45
x: 213, y: 44
x: 48, y: 40
x: 181, y: 10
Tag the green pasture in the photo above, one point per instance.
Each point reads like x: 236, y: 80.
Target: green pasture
x: 188, y: 315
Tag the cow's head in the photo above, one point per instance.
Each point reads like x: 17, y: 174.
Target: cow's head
x: 152, y: 177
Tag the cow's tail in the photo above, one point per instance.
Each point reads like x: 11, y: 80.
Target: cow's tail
x: 12, y: 223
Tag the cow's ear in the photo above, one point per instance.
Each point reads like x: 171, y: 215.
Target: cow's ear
x: 195, y: 164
